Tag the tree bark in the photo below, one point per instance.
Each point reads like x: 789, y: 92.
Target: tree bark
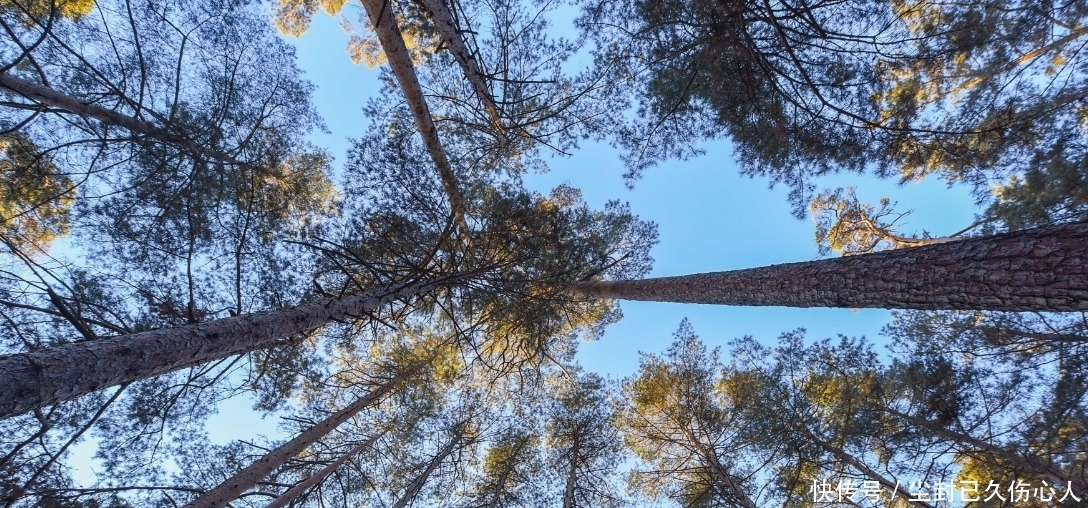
x: 247, y: 478
x: 35, y: 378
x: 572, y: 475
x: 413, y: 490
x: 1042, y: 269
x: 55, y: 99
x: 443, y: 20
x: 320, y: 476
x: 400, y: 61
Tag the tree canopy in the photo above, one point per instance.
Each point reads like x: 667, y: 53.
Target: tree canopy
x: 175, y: 241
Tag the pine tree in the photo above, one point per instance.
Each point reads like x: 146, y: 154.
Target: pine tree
x: 246, y: 479
x: 972, y: 93
x: 1038, y: 269
x: 674, y: 421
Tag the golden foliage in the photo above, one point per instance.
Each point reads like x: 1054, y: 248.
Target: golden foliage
x: 293, y: 17
x: 297, y: 190
x: 36, y: 10
x: 364, y: 46
x: 34, y: 198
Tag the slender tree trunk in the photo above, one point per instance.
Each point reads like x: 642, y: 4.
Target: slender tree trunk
x: 75, y: 437
x: 711, y: 457
x: 413, y: 490
x: 1021, y: 462
x: 891, y: 488
x: 1073, y: 34
x: 1041, y: 269
x: 511, y: 463
x: 247, y: 478
x: 443, y: 20
x: 400, y: 61
x: 320, y: 476
x: 572, y: 475
x: 55, y: 99
x: 35, y: 378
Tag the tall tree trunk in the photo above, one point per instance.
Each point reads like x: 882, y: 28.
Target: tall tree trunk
x: 508, y: 467
x: 572, y: 474
x: 1041, y: 269
x: 320, y: 476
x: 247, y: 478
x: 417, y: 485
x: 54, y: 99
x: 443, y: 20
x: 400, y: 61
x: 35, y: 378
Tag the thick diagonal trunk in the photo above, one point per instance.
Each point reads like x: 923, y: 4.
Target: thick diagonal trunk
x: 35, y: 378
x: 54, y: 99
x: 320, y: 476
x: 400, y: 61
x: 1041, y: 269
x: 247, y: 478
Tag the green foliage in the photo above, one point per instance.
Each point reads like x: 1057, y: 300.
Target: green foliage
x: 523, y: 246
x: 674, y: 420
x: 584, y: 449
x: 967, y: 92
x: 495, y: 412
x: 792, y: 106
x: 845, y: 225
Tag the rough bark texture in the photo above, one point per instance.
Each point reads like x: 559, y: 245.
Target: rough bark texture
x: 320, y: 476
x: 54, y: 99
x: 443, y: 20
x: 400, y: 61
x: 29, y: 380
x: 1041, y: 269
x: 247, y: 478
